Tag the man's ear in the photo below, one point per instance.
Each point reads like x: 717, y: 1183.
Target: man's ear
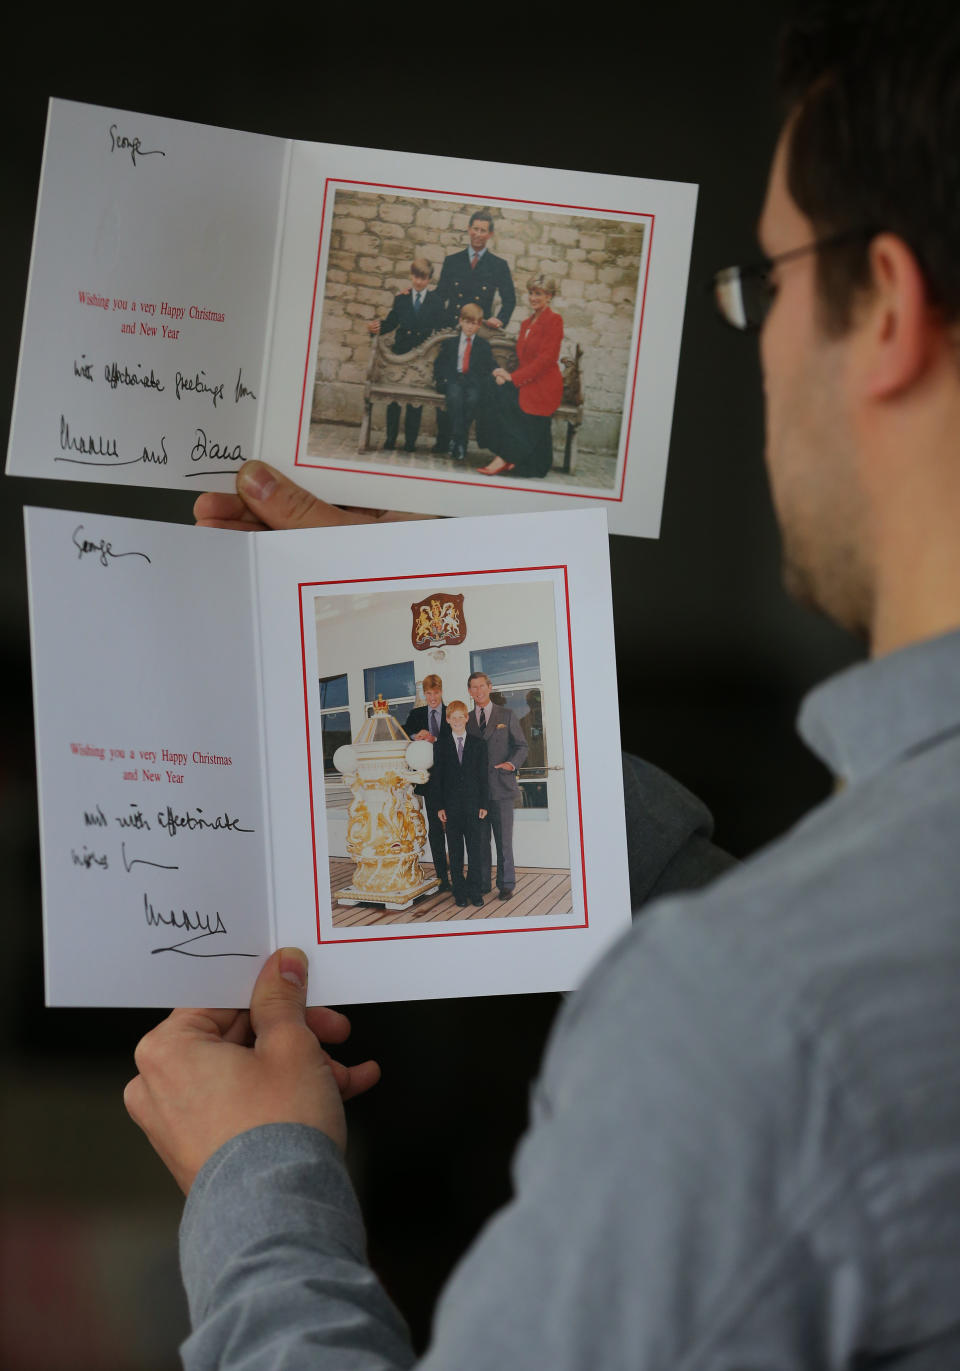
x: 899, y: 324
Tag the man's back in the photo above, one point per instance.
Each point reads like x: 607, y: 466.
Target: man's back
x: 745, y: 1147
x: 776, y: 1061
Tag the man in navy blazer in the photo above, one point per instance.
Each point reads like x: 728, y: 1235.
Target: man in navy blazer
x: 427, y: 723
x: 475, y: 276
x: 506, y: 752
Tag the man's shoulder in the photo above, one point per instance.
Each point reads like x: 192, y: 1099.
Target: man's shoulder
x: 838, y: 930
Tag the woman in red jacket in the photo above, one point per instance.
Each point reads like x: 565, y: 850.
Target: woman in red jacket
x: 527, y: 399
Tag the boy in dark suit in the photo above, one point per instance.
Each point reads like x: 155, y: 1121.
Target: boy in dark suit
x: 462, y: 372
x: 415, y: 314
x: 460, y: 764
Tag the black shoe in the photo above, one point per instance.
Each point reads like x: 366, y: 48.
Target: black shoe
x: 457, y: 452
x: 486, y: 890
x: 390, y: 445
x: 478, y: 901
x: 506, y: 895
x: 409, y: 447
x: 462, y: 904
x: 441, y: 449
x: 444, y: 885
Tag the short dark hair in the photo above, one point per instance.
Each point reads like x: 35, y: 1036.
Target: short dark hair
x: 872, y: 93
x: 485, y: 214
x: 474, y: 675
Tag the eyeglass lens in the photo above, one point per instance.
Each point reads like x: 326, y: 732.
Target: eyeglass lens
x: 743, y: 296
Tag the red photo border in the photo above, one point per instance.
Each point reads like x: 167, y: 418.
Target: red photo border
x: 438, y: 576
x: 492, y: 200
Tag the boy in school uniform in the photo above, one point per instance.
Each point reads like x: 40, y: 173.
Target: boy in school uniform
x: 462, y: 372
x: 460, y: 777
x: 415, y: 314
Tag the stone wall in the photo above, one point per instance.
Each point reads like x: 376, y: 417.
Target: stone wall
x: 373, y: 238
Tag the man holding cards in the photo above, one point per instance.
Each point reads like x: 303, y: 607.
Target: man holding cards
x: 745, y: 1142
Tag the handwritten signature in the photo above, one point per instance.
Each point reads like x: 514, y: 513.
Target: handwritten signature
x: 119, y: 142
x: 103, y: 548
x: 203, y: 447
x: 200, y: 925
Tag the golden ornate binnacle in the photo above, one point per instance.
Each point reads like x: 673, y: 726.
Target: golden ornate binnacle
x: 386, y: 832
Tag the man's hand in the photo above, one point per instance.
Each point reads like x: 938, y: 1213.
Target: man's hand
x: 493, y: 323
x: 504, y: 766
x: 267, y: 499
x: 207, y: 1075
x: 373, y: 326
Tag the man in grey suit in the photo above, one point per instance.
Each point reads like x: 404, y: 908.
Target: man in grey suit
x: 506, y: 752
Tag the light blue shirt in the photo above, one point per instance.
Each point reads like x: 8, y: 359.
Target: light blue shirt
x: 745, y: 1142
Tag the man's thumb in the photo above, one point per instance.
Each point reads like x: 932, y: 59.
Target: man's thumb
x: 280, y: 993
x: 279, y: 503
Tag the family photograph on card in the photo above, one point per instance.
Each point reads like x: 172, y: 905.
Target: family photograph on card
x: 464, y: 340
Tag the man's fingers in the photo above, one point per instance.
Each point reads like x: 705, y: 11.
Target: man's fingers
x: 223, y: 509
x: 328, y: 1025
x: 279, y: 503
x: 361, y: 1079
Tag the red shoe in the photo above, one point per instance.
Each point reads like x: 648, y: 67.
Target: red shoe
x: 496, y: 471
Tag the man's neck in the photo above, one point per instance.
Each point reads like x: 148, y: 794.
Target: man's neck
x: 914, y: 522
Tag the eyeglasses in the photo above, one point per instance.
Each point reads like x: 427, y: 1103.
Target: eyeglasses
x: 743, y: 295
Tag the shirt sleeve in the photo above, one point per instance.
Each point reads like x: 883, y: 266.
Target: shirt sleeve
x: 683, y: 1199
x: 272, y: 1251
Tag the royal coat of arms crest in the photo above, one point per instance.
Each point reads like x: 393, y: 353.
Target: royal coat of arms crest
x: 438, y: 622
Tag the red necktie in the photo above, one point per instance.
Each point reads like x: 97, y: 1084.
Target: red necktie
x: 474, y: 260
x: 466, y: 356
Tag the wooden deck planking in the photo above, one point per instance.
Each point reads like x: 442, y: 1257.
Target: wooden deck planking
x: 539, y: 892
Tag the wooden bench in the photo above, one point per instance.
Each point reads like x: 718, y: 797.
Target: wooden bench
x: 407, y: 379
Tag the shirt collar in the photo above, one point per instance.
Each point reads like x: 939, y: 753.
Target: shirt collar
x: 873, y: 715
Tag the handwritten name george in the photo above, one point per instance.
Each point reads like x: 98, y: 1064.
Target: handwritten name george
x: 103, y: 549
x: 119, y: 142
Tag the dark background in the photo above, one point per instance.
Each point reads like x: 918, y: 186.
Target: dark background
x: 711, y: 657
